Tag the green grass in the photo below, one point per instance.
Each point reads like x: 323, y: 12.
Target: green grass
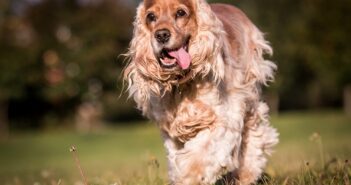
x: 134, y: 155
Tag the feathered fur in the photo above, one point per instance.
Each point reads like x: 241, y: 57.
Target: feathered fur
x: 211, y: 116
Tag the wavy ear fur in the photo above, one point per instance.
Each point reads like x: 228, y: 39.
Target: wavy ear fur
x: 213, y: 41
x: 140, y: 51
x: 209, y: 45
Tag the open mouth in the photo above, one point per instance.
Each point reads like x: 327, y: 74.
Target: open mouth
x: 170, y: 58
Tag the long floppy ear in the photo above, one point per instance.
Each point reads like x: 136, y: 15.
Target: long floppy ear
x: 209, y: 44
x: 258, y: 70
x: 141, y: 61
x: 213, y: 47
x: 140, y: 49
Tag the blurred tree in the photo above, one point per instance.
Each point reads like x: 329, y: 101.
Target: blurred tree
x: 325, y: 48
x: 4, y: 130
x: 61, y: 53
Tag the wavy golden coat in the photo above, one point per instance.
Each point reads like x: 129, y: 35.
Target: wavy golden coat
x: 197, y: 69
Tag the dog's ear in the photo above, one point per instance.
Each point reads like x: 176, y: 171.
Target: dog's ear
x: 253, y: 46
x: 140, y: 49
x: 142, y: 62
x: 143, y: 70
x: 208, y: 46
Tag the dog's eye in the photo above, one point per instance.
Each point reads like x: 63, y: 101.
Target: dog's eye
x: 180, y: 13
x: 151, y: 17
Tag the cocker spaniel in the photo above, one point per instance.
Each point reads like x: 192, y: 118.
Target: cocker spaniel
x: 196, y: 70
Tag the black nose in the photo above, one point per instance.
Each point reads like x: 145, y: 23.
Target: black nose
x: 162, y: 36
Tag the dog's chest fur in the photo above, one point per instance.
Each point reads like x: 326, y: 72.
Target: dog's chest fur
x: 193, y: 107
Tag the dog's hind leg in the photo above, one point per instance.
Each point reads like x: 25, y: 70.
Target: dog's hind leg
x: 258, y: 139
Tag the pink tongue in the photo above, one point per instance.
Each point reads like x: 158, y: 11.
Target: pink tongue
x: 183, y: 58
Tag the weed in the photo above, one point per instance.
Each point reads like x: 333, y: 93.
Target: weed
x: 73, y: 150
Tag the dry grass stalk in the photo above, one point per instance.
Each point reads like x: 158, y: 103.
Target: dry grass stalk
x: 73, y: 150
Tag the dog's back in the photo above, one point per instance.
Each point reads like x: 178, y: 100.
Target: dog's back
x: 235, y: 23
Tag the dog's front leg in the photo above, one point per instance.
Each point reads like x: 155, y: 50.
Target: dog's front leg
x: 209, y: 155
x: 171, y: 149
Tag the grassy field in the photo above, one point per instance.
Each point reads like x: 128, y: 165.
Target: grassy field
x: 314, y: 149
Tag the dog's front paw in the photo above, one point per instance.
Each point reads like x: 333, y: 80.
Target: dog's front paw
x: 195, y: 168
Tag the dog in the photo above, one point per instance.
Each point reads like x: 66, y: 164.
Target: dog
x: 197, y: 69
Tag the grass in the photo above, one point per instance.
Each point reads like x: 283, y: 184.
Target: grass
x: 314, y: 148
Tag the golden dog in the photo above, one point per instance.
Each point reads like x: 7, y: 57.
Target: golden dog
x: 197, y: 70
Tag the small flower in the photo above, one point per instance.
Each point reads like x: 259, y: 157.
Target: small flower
x: 72, y: 149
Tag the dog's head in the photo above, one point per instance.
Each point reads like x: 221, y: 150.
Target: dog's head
x: 183, y: 41
x: 173, y: 41
x: 171, y: 24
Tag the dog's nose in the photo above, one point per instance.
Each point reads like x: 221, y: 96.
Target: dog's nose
x: 162, y: 36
